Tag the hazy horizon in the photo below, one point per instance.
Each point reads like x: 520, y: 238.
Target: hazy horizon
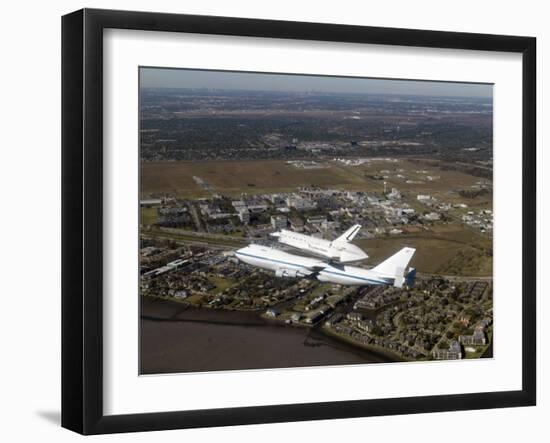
x: 179, y: 78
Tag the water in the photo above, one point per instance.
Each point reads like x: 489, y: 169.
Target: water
x: 176, y: 339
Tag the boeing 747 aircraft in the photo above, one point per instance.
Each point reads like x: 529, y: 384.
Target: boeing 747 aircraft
x: 389, y: 272
x: 339, y: 249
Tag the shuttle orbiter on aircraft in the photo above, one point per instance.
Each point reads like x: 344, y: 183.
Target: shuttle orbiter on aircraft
x: 389, y: 272
x: 339, y: 249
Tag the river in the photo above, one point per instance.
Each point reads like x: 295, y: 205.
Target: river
x: 178, y: 339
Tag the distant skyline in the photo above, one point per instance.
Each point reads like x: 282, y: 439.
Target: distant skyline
x: 195, y: 78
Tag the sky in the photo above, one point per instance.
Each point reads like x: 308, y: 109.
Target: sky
x: 191, y: 78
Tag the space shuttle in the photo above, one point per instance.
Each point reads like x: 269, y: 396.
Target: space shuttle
x: 341, y: 249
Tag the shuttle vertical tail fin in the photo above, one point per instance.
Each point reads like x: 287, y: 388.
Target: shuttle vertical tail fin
x: 349, y: 235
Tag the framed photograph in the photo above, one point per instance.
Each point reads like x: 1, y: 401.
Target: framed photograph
x: 269, y: 221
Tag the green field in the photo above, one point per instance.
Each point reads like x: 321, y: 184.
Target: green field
x: 235, y: 177
x: 221, y: 283
x: 458, y: 251
x: 148, y: 216
x: 262, y: 176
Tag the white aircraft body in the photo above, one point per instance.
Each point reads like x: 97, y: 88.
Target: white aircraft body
x: 389, y: 272
x: 339, y: 249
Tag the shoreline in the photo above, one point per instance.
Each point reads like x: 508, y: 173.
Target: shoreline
x: 386, y: 353
x: 237, y: 317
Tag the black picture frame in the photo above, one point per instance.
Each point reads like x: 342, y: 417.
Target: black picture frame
x: 82, y: 218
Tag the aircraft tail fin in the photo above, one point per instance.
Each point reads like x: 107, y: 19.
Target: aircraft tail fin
x: 410, y: 277
x: 395, y: 266
x: 349, y: 235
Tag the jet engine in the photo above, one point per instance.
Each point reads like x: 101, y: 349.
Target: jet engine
x: 288, y: 273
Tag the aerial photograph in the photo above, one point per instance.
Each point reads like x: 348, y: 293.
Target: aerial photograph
x: 294, y: 221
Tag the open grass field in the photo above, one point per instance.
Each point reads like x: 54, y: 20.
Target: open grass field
x: 221, y: 283
x: 254, y: 177
x: 148, y: 216
x: 233, y: 178
x: 441, y: 184
x: 451, y: 251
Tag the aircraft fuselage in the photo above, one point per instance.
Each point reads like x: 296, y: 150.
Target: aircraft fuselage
x: 291, y: 265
